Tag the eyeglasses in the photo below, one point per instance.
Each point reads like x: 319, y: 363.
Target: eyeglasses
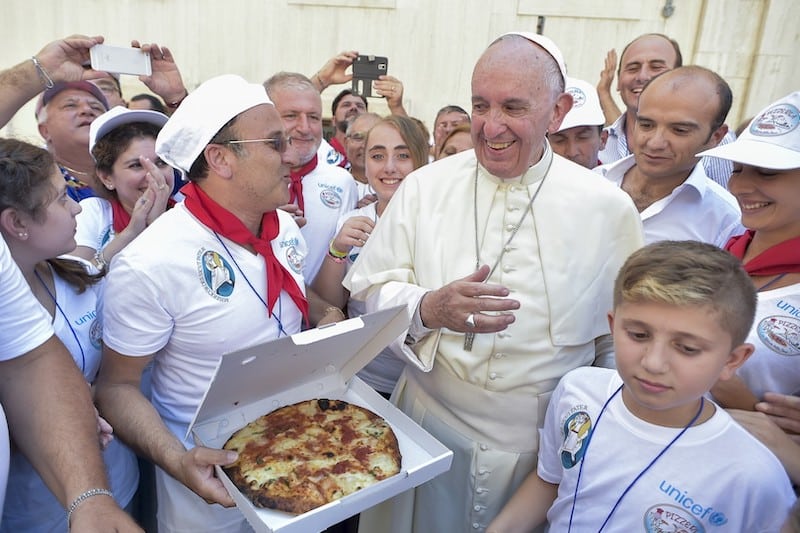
x: 357, y: 136
x: 279, y: 144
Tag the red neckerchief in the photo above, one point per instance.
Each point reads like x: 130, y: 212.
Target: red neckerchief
x: 336, y: 145
x: 225, y: 223
x: 121, y: 218
x: 296, y: 187
x: 778, y: 259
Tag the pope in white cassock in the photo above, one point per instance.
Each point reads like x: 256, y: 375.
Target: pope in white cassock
x: 506, y: 258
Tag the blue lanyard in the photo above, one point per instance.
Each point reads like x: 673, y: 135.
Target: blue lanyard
x: 244, y: 276
x: 66, y: 319
x: 646, y: 468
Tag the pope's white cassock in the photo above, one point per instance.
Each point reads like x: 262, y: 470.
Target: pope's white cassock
x: 488, y: 403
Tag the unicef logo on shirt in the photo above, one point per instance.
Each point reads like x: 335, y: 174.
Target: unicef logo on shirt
x: 215, y: 274
x: 777, y: 120
x: 578, y: 96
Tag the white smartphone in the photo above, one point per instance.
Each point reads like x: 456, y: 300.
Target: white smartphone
x: 120, y: 60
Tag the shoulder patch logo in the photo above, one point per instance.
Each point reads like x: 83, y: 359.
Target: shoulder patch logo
x: 777, y: 120
x: 294, y: 259
x: 333, y: 157
x: 215, y: 274
x: 576, y: 428
x: 781, y: 334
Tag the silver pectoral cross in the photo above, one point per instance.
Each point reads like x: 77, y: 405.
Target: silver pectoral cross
x: 469, y: 338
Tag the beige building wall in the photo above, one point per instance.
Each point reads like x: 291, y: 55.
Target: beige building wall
x: 432, y: 45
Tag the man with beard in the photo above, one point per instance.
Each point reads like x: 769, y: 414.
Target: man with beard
x: 319, y: 191
x: 345, y: 108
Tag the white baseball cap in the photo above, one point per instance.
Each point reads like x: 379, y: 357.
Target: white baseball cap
x: 586, y: 110
x: 771, y: 140
x: 548, y: 45
x: 202, y: 114
x: 118, y: 116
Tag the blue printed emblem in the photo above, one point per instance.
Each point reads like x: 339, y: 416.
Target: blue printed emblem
x: 576, y: 430
x: 216, y: 274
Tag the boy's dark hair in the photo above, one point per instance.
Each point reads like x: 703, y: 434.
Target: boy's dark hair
x: 690, y: 273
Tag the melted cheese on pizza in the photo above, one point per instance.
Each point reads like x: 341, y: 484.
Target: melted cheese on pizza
x: 307, y: 454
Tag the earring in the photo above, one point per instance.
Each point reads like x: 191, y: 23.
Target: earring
x: 22, y: 235
x: 110, y: 186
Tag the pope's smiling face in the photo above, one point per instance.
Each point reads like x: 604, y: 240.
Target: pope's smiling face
x: 514, y: 104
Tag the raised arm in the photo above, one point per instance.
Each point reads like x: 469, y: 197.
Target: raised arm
x: 610, y: 110
x: 61, y: 60
x: 165, y: 80
x: 334, y: 71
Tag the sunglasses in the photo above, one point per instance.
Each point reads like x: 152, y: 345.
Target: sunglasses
x: 279, y: 144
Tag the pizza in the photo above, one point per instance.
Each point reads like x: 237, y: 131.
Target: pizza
x: 305, y: 455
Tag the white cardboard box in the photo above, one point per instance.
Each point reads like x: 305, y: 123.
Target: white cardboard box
x: 318, y: 363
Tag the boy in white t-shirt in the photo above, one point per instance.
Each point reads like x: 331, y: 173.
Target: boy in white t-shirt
x: 641, y: 446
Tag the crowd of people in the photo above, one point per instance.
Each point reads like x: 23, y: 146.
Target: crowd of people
x: 573, y: 274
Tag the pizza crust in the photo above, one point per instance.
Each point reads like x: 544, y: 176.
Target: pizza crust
x: 305, y: 455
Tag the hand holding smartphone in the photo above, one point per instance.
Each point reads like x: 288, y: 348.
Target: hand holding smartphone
x: 366, y: 69
x: 120, y: 60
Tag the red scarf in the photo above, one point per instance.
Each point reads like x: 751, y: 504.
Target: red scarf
x: 119, y: 216
x: 779, y: 259
x: 225, y: 223
x: 296, y: 187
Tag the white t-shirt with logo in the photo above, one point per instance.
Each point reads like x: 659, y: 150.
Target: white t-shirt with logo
x: 716, y: 478
x: 775, y: 363
x: 328, y: 193
x: 183, y: 294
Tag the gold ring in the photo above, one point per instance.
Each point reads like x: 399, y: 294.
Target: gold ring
x: 162, y: 186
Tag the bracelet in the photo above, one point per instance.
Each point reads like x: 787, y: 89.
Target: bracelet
x: 83, y: 497
x: 334, y: 308
x: 336, y: 259
x: 333, y: 252
x: 48, y: 81
x: 175, y: 104
x: 99, y: 260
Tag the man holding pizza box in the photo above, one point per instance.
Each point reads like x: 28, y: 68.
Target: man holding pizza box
x: 219, y: 272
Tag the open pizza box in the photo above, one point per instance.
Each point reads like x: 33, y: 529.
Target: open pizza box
x: 318, y: 363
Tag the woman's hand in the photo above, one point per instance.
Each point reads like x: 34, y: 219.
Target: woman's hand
x: 354, y: 232
x: 161, y: 187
